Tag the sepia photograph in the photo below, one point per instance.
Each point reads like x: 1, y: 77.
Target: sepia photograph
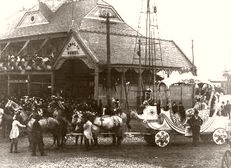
x: 115, y: 84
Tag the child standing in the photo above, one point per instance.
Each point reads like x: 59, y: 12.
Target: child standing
x: 14, y: 134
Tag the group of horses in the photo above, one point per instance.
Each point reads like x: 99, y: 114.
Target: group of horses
x: 92, y: 125
x: 83, y: 121
x: 57, y: 124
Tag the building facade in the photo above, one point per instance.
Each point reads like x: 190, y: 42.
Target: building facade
x: 61, y: 47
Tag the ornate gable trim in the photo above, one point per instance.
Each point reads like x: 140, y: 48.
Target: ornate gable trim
x: 100, y: 11
x: 75, y: 48
x: 32, y: 18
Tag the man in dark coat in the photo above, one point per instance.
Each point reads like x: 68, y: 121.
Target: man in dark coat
x: 227, y: 109
x: 181, y: 112
x: 116, y: 107
x: 195, y: 123
x: 174, y: 108
x: 37, y: 138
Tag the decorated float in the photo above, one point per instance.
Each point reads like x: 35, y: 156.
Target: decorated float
x: 177, y: 98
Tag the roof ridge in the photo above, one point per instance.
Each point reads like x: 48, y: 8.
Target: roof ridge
x: 102, y: 2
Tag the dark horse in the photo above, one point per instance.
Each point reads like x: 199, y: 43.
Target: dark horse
x: 49, y: 125
x: 93, y: 125
x: 59, y: 113
x: 56, y: 126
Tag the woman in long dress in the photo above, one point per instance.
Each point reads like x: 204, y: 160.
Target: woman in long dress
x: 14, y: 134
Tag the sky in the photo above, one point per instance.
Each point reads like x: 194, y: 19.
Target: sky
x: 206, y: 22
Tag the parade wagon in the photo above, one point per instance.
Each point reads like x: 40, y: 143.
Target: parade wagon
x: 178, y: 97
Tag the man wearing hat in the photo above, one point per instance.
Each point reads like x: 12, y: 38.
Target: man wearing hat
x: 116, y: 107
x: 37, y: 138
x: 195, y: 123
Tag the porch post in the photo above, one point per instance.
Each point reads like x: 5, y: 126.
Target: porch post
x: 96, y: 83
x: 52, y: 82
x: 28, y: 84
x: 121, y: 86
x: 8, y: 85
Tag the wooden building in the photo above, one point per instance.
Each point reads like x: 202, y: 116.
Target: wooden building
x: 60, y: 46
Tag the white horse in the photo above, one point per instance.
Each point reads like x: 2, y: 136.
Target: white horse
x: 93, y: 125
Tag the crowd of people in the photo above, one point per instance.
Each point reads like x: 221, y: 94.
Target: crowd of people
x: 42, y: 107
x: 179, y: 109
x: 39, y: 108
x: 19, y: 63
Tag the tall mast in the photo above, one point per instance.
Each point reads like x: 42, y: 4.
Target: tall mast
x: 155, y: 51
x: 192, y: 53
x: 145, y: 52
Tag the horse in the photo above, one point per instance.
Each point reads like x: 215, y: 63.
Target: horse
x: 56, y: 126
x: 93, y: 125
x: 48, y: 125
x: 60, y: 114
x: 10, y: 109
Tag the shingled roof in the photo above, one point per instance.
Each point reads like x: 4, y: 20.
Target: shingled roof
x: 73, y: 16
x: 60, y: 21
x: 122, y: 50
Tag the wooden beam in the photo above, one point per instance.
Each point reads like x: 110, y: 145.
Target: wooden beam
x: 8, y: 43
x: 35, y: 37
x: 8, y: 85
x: 96, y: 83
x: 52, y: 82
x: 43, y: 44
x: 24, y: 46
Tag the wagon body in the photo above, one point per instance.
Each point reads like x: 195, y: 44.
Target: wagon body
x: 165, y: 123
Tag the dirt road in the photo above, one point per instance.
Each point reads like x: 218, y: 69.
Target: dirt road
x: 133, y: 153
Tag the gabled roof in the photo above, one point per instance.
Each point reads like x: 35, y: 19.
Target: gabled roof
x: 53, y: 5
x: 32, y: 18
x: 100, y: 11
x: 61, y: 21
x: 71, y: 15
x: 122, y: 51
x: 91, y: 33
x: 75, y: 47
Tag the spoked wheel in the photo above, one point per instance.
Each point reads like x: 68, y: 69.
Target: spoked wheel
x: 162, y: 138
x: 226, y: 160
x: 150, y: 139
x: 219, y: 136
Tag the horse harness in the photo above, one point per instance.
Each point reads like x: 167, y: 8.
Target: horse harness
x: 115, y: 120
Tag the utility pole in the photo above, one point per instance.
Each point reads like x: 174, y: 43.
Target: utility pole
x: 192, y: 53
x: 108, y: 88
x: 140, y: 75
x: 108, y: 62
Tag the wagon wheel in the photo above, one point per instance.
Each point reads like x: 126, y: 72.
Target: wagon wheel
x: 226, y: 160
x: 150, y: 139
x: 162, y: 138
x: 219, y: 136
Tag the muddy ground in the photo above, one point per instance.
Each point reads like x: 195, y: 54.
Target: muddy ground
x: 134, y: 152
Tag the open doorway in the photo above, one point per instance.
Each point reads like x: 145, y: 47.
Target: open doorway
x: 75, y: 80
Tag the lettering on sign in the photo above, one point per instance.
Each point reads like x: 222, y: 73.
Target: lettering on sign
x: 73, y: 49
